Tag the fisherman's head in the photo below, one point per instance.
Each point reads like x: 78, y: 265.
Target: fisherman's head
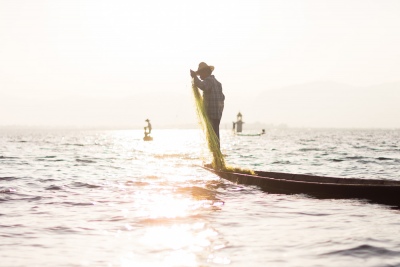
x: 204, y: 70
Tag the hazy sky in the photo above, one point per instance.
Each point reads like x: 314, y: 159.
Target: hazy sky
x: 80, y: 48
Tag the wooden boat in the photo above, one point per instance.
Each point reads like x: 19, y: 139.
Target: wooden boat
x: 251, y: 134
x: 259, y: 134
x: 374, y: 190
x: 147, y: 138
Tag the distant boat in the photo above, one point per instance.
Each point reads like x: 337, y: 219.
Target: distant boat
x: 377, y: 191
x: 240, y: 134
x: 147, y: 131
x: 255, y: 134
x: 148, y: 138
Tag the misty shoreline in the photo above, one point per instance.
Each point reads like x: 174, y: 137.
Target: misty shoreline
x: 250, y: 127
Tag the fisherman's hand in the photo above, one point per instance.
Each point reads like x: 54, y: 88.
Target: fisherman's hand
x: 192, y: 73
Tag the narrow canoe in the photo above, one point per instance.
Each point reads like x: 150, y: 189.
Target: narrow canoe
x: 374, y: 190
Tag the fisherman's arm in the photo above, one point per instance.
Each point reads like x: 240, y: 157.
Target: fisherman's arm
x: 203, y: 85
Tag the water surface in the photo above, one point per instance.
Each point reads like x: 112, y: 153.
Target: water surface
x: 107, y: 198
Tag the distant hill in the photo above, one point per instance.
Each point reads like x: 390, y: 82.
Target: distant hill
x: 318, y: 104
x: 164, y: 109
x: 327, y: 104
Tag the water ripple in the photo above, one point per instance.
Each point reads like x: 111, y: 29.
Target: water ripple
x: 85, y: 161
x: 365, y: 251
x: 8, y: 178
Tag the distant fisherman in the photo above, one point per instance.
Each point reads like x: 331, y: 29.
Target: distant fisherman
x: 213, y: 98
x: 148, y: 126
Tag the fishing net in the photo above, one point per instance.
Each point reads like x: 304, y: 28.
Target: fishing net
x: 218, y: 162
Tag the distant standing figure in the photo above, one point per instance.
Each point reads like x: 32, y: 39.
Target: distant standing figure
x: 213, y: 98
x: 148, y: 126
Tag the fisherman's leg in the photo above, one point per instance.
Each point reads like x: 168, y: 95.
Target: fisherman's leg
x: 215, y: 124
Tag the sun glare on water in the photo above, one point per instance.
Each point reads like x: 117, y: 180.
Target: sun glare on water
x: 172, y: 200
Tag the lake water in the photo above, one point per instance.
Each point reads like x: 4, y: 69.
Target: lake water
x: 107, y: 198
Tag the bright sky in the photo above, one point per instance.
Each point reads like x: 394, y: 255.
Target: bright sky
x: 115, y: 48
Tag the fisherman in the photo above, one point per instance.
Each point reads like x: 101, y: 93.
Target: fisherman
x: 213, y: 98
x: 148, y: 126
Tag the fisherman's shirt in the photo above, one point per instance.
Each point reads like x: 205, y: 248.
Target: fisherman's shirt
x: 213, y: 98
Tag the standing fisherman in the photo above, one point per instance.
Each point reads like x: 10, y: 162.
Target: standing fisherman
x: 213, y: 98
x: 148, y: 126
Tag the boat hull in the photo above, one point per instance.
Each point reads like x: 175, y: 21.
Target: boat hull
x: 378, y: 191
x: 147, y: 138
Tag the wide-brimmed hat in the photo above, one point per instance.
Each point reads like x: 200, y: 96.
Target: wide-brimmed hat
x: 147, y: 120
x: 203, y: 66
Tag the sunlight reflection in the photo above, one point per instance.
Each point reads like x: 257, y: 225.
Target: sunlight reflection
x: 165, y: 143
x: 184, y: 241
x: 167, y: 206
x: 171, y: 208
x: 180, y: 236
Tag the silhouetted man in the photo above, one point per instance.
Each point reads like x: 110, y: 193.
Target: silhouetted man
x: 213, y: 98
x: 148, y: 126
